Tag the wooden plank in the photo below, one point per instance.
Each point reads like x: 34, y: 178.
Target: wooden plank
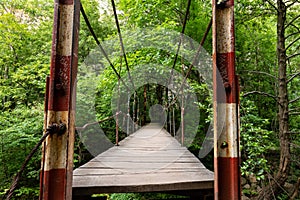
x: 139, y: 165
x: 141, y: 159
x: 109, y: 171
x: 140, y: 179
x: 186, y: 187
x: 148, y: 160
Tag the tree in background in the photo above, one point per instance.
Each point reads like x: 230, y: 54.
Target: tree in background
x: 25, y: 42
x: 287, y: 19
x: 273, y: 53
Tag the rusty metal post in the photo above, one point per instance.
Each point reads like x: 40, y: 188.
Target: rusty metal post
x: 57, y: 162
x: 226, y: 145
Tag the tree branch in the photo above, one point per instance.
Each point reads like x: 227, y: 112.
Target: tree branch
x: 294, y: 100
x: 3, y: 6
x: 291, y: 132
x: 292, y: 43
x: 296, y: 27
x: 292, y: 4
x: 272, y: 5
x: 296, y: 190
x: 292, y: 56
x: 293, y: 76
x: 259, y: 72
x: 178, y: 11
x: 291, y: 21
x: 295, y: 33
x: 294, y: 113
x: 293, y: 109
x: 261, y: 93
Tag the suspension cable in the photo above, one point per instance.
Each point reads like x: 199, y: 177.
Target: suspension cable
x: 182, y: 32
x: 179, y: 45
x: 121, y: 41
x: 98, y: 122
x: 124, y: 55
x: 52, y: 129
x: 198, y: 52
x: 17, y: 177
x: 99, y: 44
x: 194, y: 60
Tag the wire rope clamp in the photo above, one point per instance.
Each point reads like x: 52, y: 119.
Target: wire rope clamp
x: 59, y: 129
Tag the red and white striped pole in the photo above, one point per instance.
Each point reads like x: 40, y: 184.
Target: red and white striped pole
x: 57, y: 162
x: 226, y: 145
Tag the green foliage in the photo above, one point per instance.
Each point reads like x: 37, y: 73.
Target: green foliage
x: 20, y: 130
x: 143, y: 196
x: 25, y: 39
x: 150, y: 13
x: 102, y: 25
x: 27, y: 193
x: 249, y: 192
x: 256, y: 141
x: 24, y: 58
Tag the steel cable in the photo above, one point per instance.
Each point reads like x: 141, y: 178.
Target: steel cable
x: 99, y: 44
x: 121, y: 41
x: 194, y: 60
x: 16, y: 180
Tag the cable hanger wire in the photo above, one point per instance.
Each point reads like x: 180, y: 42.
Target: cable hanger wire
x: 182, y: 32
x: 194, y: 60
x: 123, y: 49
x: 121, y: 40
x: 99, y: 44
x: 178, y: 47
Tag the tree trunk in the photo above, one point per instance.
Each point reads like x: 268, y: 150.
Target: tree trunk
x: 283, y: 117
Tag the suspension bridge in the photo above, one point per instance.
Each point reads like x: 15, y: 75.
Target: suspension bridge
x: 149, y: 160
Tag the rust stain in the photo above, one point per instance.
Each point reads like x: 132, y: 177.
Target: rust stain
x: 225, y: 65
x: 225, y: 30
x: 60, y: 96
x: 64, y: 47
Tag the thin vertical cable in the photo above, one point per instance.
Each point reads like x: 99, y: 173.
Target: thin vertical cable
x: 121, y: 40
x: 182, y: 32
x: 99, y: 44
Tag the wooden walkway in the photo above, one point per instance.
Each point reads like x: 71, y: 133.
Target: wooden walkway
x: 150, y: 160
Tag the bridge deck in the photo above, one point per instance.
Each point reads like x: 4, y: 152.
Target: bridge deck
x: 150, y: 160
